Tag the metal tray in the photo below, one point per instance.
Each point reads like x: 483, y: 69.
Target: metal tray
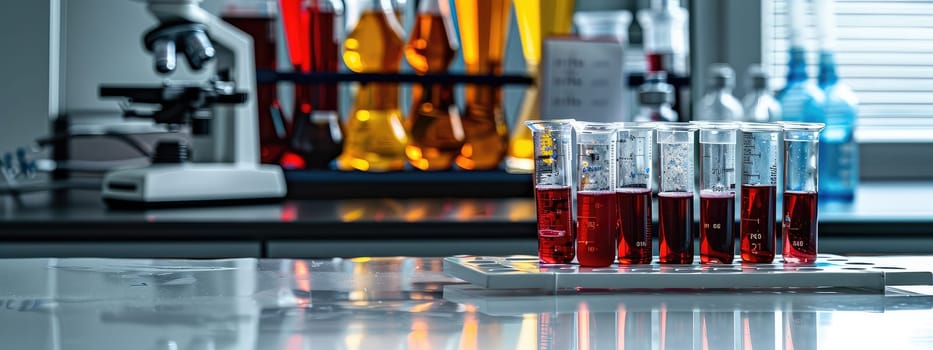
x: 830, y: 271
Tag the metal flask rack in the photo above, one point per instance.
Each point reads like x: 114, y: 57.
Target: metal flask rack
x: 326, y: 184
x: 830, y: 272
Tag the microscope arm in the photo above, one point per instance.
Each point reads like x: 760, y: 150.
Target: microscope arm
x: 235, y: 140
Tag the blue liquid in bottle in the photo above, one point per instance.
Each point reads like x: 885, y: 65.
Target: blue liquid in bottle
x: 838, y: 149
x: 801, y: 100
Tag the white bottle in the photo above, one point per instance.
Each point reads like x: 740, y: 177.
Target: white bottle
x: 718, y: 103
x: 759, y: 104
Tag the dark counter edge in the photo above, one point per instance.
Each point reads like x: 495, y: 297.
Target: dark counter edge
x: 103, y: 230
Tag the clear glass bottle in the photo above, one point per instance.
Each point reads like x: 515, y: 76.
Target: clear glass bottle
x: 376, y: 138
x: 838, y: 148
x: 665, y: 27
x: 433, y: 124
x: 759, y: 104
x: 718, y: 104
x: 655, y: 97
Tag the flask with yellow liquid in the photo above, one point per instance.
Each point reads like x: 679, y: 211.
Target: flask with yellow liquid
x: 376, y: 137
x: 483, y: 29
x: 537, y: 19
x: 434, y: 127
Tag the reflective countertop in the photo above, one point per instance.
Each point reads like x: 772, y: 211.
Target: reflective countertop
x: 409, y: 303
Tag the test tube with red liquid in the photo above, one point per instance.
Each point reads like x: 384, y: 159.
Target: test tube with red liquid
x: 634, y: 162
x: 717, y: 192
x: 553, y: 181
x: 801, y: 183
x: 675, y: 196
x: 596, y: 200
x: 760, y: 146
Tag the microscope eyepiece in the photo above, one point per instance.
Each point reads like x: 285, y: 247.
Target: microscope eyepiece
x: 163, y: 52
x: 191, y: 38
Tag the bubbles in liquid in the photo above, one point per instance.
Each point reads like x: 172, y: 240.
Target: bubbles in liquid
x: 677, y: 167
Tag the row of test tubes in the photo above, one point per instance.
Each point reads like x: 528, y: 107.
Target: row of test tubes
x: 613, y: 185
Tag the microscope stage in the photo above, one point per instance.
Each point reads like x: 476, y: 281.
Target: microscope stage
x: 193, y: 183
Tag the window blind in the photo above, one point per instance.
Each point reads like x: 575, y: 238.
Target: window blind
x: 884, y: 51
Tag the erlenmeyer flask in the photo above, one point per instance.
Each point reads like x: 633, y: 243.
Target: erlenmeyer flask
x: 433, y: 124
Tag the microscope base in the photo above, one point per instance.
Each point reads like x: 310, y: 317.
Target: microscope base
x: 193, y: 183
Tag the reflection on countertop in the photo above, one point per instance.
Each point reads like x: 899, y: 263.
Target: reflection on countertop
x: 378, y: 303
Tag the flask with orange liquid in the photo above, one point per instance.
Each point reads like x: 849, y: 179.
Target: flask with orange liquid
x: 433, y: 124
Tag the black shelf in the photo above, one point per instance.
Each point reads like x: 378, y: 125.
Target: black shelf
x: 269, y: 76
x: 327, y: 184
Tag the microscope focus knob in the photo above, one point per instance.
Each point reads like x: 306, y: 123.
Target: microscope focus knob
x: 170, y: 151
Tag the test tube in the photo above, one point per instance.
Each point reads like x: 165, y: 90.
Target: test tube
x: 596, y: 207
x: 801, y: 185
x: 760, y: 146
x: 634, y: 162
x: 553, y: 181
x: 675, y: 197
x: 717, y: 192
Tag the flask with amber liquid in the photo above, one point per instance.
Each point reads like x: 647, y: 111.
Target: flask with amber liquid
x: 375, y: 138
x: 537, y: 19
x: 483, y: 29
x: 434, y: 129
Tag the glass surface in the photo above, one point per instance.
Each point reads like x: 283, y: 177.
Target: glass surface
x: 399, y: 303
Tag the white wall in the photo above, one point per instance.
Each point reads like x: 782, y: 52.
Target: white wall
x: 24, y: 68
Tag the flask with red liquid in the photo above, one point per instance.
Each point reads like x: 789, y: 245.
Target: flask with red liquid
x: 760, y: 147
x: 596, y: 200
x: 634, y: 161
x: 257, y: 18
x: 675, y: 196
x: 553, y: 182
x: 717, y: 192
x: 801, y: 185
x: 313, y: 31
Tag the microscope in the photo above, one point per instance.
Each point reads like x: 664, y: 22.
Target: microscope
x: 221, y: 163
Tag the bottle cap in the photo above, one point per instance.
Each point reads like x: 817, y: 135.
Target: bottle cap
x: 721, y: 76
x: 757, y: 77
x: 656, y: 91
